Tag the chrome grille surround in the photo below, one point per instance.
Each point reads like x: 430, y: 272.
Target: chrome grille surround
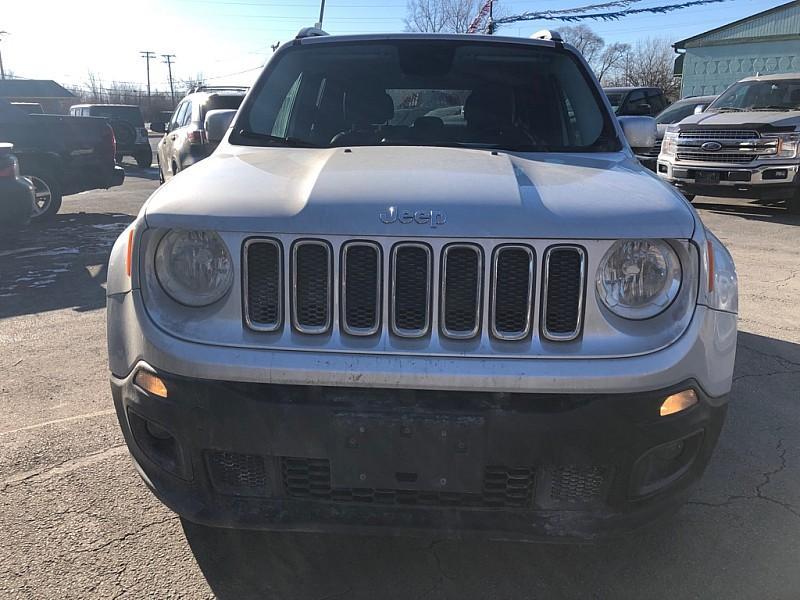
x: 549, y: 287
x: 297, y: 288
x: 524, y: 331
x: 254, y: 323
x: 343, y: 289
x: 453, y: 332
x: 398, y: 312
x: 719, y: 134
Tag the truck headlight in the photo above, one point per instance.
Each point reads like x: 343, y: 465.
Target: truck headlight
x: 638, y: 279
x: 785, y: 145
x: 194, y: 267
x: 669, y: 145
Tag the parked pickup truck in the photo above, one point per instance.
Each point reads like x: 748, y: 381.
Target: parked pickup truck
x: 745, y: 144
x: 341, y: 321
x: 60, y: 155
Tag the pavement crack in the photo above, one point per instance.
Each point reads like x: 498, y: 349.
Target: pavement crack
x: 127, y: 536
x: 778, y: 357
x: 66, y: 466
x: 770, y: 374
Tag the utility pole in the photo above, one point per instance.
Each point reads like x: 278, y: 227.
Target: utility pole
x: 321, y: 13
x: 490, y: 25
x: 2, y: 71
x: 147, y: 55
x: 168, y: 58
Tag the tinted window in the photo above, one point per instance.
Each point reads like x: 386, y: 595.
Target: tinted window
x: 177, y: 116
x: 185, y: 117
x: 676, y: 113
x: 130, y: 114
x: 219, y: 102
x: 419, y: 92
x: 615, y: 98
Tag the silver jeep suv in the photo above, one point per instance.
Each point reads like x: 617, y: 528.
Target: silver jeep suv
x: 358, y: 316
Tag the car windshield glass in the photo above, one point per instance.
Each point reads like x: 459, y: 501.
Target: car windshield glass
x: 130, y: 114
x: 422, y: 92
x: 615, y: 98
x: 783, y: 94
x: 676, y: 113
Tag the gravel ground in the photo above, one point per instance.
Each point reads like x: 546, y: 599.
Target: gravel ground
x: 77, y: 522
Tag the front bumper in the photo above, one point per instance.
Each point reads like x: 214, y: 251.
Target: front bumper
x: 735, y: 181
x: 506, y: 466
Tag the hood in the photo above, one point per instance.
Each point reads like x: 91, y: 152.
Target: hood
x: 759, y: 120
x: 448, y: 192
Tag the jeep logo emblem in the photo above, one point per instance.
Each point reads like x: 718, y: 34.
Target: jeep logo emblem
x: 711, y: 146
x: 434, y: 218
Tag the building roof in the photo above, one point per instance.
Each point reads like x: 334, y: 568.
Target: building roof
x: 779, y: 22
x: 33, y: 88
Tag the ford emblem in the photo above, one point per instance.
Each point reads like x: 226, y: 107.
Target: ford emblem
x: 711, y: 146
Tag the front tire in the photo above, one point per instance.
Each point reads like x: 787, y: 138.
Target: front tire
x: 144, y: 159
x: 793, y: 203
x: 47, y: 193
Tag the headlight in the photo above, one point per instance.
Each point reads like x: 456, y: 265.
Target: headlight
x: 722, y: 284
x: 638, y: 279
x: 194, y: 267
x: 669, y: 145
x: 782, y: 145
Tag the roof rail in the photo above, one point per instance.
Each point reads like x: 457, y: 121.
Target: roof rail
x: 548, y: 35
x: 218, y: 88
x: 307, y: 32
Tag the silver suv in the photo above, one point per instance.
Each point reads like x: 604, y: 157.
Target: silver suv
x: 356, y: 315
x: 744, y: 145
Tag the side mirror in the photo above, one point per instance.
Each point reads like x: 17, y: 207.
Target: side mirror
x: 158, y: 127
x: 217, y: 123
x: 700, y: 108
x: 641, y: 132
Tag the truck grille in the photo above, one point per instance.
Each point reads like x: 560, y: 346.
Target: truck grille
x: 719, y: 134
x: 717, y: 157
x: 409, y: 278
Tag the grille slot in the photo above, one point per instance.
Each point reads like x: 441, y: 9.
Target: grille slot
x: 563, y: 292
x: 361, y: 288
x: 411, y: 289
x: 512, y: 292
x: 462, y: 269
x: 263, y: 284
x: 238, y: 474
x: 503, y: 487
x: 312, y: 272
x: 574, y: 484
x: 717, y: 157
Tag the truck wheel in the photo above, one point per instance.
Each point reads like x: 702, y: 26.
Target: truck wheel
x: 160, y: 172
x: 48, y: 193
x: 118, y: 158
x: 144, y: 159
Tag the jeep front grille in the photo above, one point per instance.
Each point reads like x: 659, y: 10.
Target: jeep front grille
x: 413, y: 289
x: 312, y: 271
x: 563, y: 295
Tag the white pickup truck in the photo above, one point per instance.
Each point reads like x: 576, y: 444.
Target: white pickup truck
x: 745, y: 144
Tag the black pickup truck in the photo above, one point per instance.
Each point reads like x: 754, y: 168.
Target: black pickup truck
x: 60, y: 155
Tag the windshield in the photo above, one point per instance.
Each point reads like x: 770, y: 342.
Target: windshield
x: 677, y: 113
x: 615, y: 98
x: 414, y: 92
x: 131, y: 114
x: 783, y: 94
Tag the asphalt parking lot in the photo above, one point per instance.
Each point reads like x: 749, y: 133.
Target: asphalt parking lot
x: 77, y: 522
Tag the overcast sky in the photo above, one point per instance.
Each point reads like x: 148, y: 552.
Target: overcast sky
x: 227, y: 41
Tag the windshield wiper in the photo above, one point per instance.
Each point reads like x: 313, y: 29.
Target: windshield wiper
x: 773, y: 108
x: 289, y: 142
x: 729, y: 109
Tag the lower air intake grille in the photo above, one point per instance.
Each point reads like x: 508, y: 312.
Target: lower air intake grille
x: 502, y: 488
x: 563, y: 294
x: 361, y: 283
x: 238, y: 474
x: 461, y: 290
x: 574, y: 484
x: 312, y: 271
x: 263, y: 283
x: 411, y: 282
x: 512, y: 292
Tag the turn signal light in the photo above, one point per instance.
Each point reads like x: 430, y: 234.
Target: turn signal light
x: 150, y: 383
x: 678, y: 402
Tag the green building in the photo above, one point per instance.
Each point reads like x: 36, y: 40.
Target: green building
x: 767, y: 42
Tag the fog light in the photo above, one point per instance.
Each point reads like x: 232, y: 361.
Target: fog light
x: 150, y: 383
x: 678, y: 402
x: 775, y: 174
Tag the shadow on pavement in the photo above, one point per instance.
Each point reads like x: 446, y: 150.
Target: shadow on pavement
x: 755, y: 212
x: 58, y: 264
x: 716, y: 547
x: 149, y: 173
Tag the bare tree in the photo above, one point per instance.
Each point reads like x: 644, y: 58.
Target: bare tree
x: 445, y: 16
x: 603, y: 58
x: 649, y: 62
